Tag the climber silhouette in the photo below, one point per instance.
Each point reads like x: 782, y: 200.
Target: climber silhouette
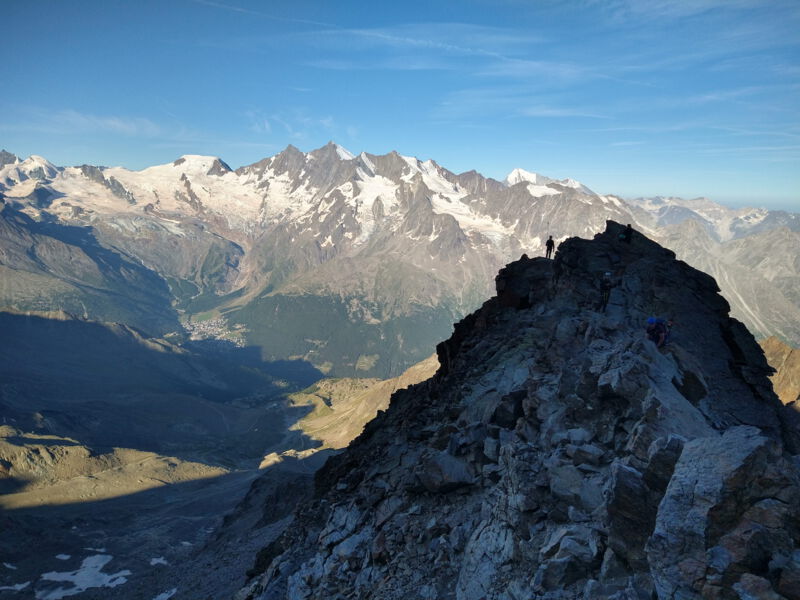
x: 605, y: 291
x: 626, y: 234
x: 549, y: 244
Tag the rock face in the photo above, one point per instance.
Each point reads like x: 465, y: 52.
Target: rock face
x: 559, y: 454
x: 786, y: 362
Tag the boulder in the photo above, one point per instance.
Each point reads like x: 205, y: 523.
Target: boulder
x: 440, y: 472
x: 731, y: 507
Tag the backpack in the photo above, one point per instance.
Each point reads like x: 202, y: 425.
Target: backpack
x: 660, y: 326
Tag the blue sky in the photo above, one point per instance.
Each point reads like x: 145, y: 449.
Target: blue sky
x: 632, y: 97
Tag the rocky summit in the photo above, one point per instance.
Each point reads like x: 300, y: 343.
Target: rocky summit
x: 558, y: 453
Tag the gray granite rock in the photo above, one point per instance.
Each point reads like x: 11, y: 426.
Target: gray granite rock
x: 557, y: 454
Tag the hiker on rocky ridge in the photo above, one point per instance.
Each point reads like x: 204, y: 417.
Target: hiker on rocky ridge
x: 605, y: 291
x: 549, y: 244
x: 626, y: 234
x: 657, y: 331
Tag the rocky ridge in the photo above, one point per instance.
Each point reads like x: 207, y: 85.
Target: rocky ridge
x: 559, y: 454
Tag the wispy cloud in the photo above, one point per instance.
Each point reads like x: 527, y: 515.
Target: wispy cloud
x: 259, y: 123
x: 258, y: 13
x: 419, y: 46
x: 509, y: 102
x: 71, y: 122
x: 490, y: 42
x: 296, y: 124
x: 545, y: 69
x: 672, y: 9
x: 558, y: 111
x: 391, y: 63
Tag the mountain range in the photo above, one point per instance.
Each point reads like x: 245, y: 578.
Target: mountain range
x: 357, y: 264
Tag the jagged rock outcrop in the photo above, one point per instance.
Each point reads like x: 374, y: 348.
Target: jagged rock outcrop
x: 559, y: 454
x: 786, y: 362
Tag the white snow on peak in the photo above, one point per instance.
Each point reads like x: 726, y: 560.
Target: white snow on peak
x: 27, y: 170
x: 576, y: 185
x: 344, y: 153
x: 34, y: 161
x: 540, y: 181
x: 520, y: 175
x: 413, y: 165
x: 367, y: 162
x: 41, y: 161
x: 195, y: 161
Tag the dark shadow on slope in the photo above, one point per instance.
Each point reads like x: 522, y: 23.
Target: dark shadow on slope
x: 108, y: 386
x: 104, y: 283
x: 10, y: 485
x: 108, y: 261
x: 177, y: 522
x: 299, y: 372
x: 324, y: 329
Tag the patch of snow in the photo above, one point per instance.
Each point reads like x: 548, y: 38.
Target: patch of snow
x: 370, y: 188
x: 9, y: 566
x: 611, y: 200
x: 343, y: 153
x: 367, y: 162
x: 576, y: 185
x: 186, y: 543
x: 15, y: 588
x: 413, y: 164
x: 95, y: 549
x: 537, y: 191
x: 63, y: 556
x: 166, y: 595
x: 22, y: 189
x: 160, y: 560
x: 89, y: 575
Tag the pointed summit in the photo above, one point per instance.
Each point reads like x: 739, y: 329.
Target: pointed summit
x: 332, y: 149
x: 6, y: 158
x: 521, y: 175
x: 343, y: 152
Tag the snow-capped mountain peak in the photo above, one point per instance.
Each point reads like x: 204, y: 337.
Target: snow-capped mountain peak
x: 541, y: 185
x: 34, y: 167
x: 519, y: 175
x: 572, y: 183
x: 344, y: 153
x: 199, y: 163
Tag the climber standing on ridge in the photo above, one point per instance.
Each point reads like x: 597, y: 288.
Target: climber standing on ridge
x: 549, y: 244
x: 605, y: 291
x: 626, y: 234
